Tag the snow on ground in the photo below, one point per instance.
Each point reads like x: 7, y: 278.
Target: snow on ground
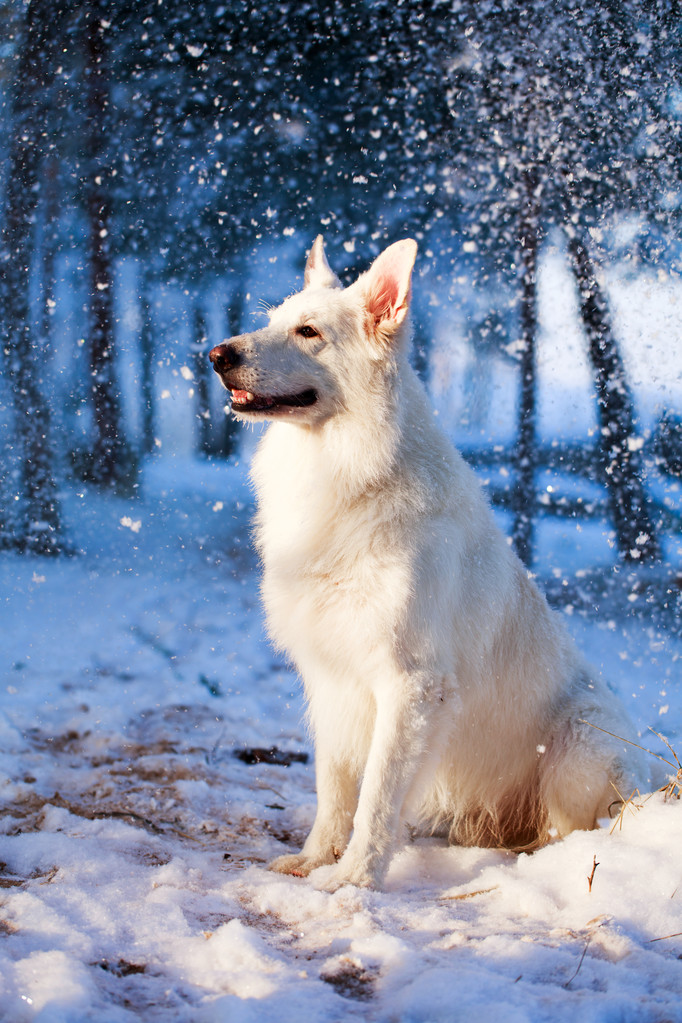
x: 133, y: 841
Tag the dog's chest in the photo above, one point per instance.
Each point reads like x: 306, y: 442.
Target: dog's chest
x: 304, y: 526
x: 328, y: 556
x: 334, y: 575
x: 333, y: 615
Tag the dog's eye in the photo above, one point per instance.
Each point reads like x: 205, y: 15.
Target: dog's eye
x: 307, y: 331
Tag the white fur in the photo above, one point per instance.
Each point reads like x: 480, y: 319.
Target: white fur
x: 442, y: 692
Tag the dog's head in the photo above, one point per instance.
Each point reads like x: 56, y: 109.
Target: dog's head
x: 324, y: 346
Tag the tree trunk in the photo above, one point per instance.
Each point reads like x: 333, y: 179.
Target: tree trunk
x: 147, y: 374
x: 108, y: 448
x: 233, y: 315
x: 50, y: 248
x: 40, y: 532
x: 201, y: 378
x: 621, y: 462
x: 526, y: 450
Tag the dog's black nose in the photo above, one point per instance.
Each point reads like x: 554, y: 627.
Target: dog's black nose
x: 224, y: 357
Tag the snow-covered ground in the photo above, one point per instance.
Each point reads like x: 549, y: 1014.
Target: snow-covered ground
x: 133, y: 841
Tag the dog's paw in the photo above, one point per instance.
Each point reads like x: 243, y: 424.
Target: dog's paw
x: 351, y: 872
x: 337, y: 880
x: 297, y: 864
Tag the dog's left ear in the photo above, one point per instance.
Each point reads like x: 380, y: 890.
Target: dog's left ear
x: 318, y: 273
x: 387, y: 284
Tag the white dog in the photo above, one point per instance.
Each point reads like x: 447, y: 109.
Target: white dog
x: 442, y: 691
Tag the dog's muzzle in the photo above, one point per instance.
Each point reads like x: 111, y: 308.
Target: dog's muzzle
x: 228, y: 357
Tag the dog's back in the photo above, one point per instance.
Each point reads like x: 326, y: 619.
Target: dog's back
x: 439, y: 684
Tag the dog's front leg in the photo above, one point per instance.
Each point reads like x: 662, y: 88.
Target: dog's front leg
x: 405, y: 729
x: 337, y: 797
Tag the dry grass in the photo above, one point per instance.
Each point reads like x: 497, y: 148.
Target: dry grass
x: 625, y: 803
x: 671, y: 790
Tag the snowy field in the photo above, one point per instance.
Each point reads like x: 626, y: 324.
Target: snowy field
x: 134, y: 841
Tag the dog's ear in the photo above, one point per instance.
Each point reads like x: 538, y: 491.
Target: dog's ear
x: 318, y: 273
x: 387, y: 284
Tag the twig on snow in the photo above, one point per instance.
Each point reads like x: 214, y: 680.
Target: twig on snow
x: 467, y: 895
x: 570, y: 979
x: 664, y: 937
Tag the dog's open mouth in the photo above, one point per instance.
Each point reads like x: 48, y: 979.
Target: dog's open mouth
x: 245, y: 401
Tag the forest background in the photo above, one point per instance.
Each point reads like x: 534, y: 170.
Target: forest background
x: 164, y: 167
x: 155, y: 153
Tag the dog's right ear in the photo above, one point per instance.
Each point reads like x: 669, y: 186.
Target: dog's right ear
x: 318, y: 273
x: 386, y: 286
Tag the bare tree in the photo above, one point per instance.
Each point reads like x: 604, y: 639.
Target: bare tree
x: 621, y: 462
x: 201, y: 382
x: 147, y: 373
x: 107, y: 462
x: 40, y: 531
x: 526, y: 451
